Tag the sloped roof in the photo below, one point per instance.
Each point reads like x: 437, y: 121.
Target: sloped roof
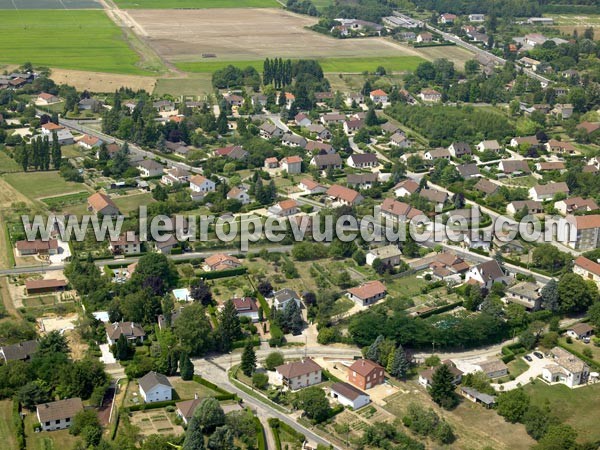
x: 298, y: 368
x: 364, y: 367
x: 347, y: 390
x: 59, y: 410
x: 153, y: 379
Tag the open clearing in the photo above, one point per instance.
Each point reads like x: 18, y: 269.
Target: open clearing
x: 101, y: 82
x: 42, y: 184
x: 196, y: 4
x: 566, y: 23
x: 81, y: 40
x: 249, y: 34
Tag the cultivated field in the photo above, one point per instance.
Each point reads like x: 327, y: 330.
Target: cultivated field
x: 196, y: 4
x: 36, y: 185
x: 195, y: 85
x: 249, y: 34
x: 569, y: 22
x: 101, y: 82
x: 81, y: 40
x: 49, y: 4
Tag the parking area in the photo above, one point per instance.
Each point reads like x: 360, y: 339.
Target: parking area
x: 536, y: 365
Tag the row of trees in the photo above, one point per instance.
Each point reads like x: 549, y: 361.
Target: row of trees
x: 40, y: 153
x: 278, y: 72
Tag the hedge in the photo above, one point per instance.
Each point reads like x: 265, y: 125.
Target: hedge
x: 242, y: 343
x: 155, y: 405
x: 441, y: 44
x: 329, y: 376
x: 441, y: 309
x: 222, y: 273
x: 277, y: 425
x: 223, y: 394
x: 19, y: 427
x: 260, y: 434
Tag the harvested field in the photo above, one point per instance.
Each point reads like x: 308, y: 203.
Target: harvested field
x: 196, y: 4
x: 195, y: 85
x: 102, y: 82
x: 249, y: 34
x: 50, y: 4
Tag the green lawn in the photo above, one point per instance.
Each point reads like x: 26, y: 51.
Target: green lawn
x: 47, y: 440
x: 576, y: 407
x: 81, y: 40
x: 42, y: 184
x: 335, y: 65
x: 197, y: 4
x: 7, y: 164
x: 7, y: 428
x: 184, y: 86
x: 132, y: 202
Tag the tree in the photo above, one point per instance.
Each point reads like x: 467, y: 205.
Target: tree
x: 265, y: 288
x: 400, y: 363
x: 200, y: 292
x: 314, y: 403
x: 558, y: 437
x: 248, y: 359
x: 537, y: 421
x: 260, y: 380
x: 527, y: 339
x: 194, y: 439
x: 371, y: 119
x: 34, y: 393
x: 512, y: 405
x: 550, y: 300
x: 229, y: 326
x: 156, y: 271
x: 53, y: 343
x: 160, y: 194
x: 442, y: 387
x: 594, y: 314
x: 291, y: 318
x: 186, y: 367
x: 575, y: 294
x: 273, y: 360
x: 372, y: 352
x: 209, y: 414
x: 122, y: 351
x: 193, y: 330
x: 82, y: 420
x: 221, y: 439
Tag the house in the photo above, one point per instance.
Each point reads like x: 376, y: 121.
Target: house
x: 361, y: 180
x: 149, y: 168
x: 233, y: 99
x: 344, y: 195
x: 89, y: 104
x: 22, y: 351
x: 246, y: 307
x: 322, y: 133
x: 284, y: 208
x: 398, y: 211
x: 438, y: 153
x: 353, y: 125
x: 155, y: 387
x: 486, y: 274
x: 291, y: 164
x: 232, y: 152
x: 271, y: 163
x: 388, y: 255
x: 200, y: 185
x: 580, y: 331
x: 220, y: 261
x: 130, y: 330
x: 112, y: 149
x: 36, y: 247
x: 526, y: 294
x: 434, y: 196
x: 425, y: 37
x: 560, y: 148
x: 126, y: 244
x: 486, y: 186
x: 378, y: 96
x: 399, y: 139
x: 458, y: 149
x: 259, y: 100
x: 533, y: 207
x: 348, y: 395
x: 283, y: 296
x: 476, y: 17
x: 562, y: 110
x: 33, y: 287
x: 493, y: 368
x: 589, y: 127
x: 293, y: 140
x: 406, y: 188
x: 574, y: 204
x: 89, y: 142
x: 289, y: 99
x: 362, y: 160
x: 565, y: 368
x: 491, y: 146
x: 58, y: 415
x: 47, y: 99
x: 550, y: 166
x: 302, y: 120
x: 447, y: 18
x: 64, y: 137
x: 311, y: 187
x: 390, y: 129
x: 587, y: 269
x: 102, y: 204
x: 165, y: 246
x: 365, y: 374
x: 240, y: 194
x: 367, y: 293
x: 270, y: 131
x: 478, y: 397
x: 324, y: 162
x: 49, y: 127
x: 179, y: 148
x: 584, y: 233
x: 514, y: 167
x: 426, y: 376
x: 447, y: 267
x: 175, y: 175
x: 185, y: 410
x: 543, y: 192
x: 333, y: 118
x: 299, y: 374
x: 468, y: 171
x: 163, y: 106
x: 430, y: 96
x: 530, y: 141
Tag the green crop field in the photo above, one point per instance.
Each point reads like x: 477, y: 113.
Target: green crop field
x: 83, y: 40
x: 42, y: 184
x: 196, y: 4
x: 341, y: 65
x: 49, y: 4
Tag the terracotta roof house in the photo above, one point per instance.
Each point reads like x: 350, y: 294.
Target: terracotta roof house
x: 126, y: 244
x: 344, y: 195
x: 584, y: 233
x: 240, y: 194
x: 406, y: 188
x: 367, y: 293
x: 398, y: 211
x: 21, y: 351
x: 291, y: 164
x: 47, y: 99
x: 246, y: 307
x: 37, y: 246
x: 284, y: 208
x: 587, y: 269
x: 58, y: 415
x: 89, y: 142
x: 131, y: 330
x: 302, y: 120
x: 366, y: 374
x: 200, y: 186
x: 589, y: 127
x: 102, y: 204
x: 311, y: 187
x: 220, y: 261
x: 299, y: 374
x: 378, y: 96
x: 430, y: 96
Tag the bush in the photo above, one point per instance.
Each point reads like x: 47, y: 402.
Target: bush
x: 273, y: 360
x: 260, y: 380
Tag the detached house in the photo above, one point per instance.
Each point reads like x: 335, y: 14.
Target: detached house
x: 246, y: 307
x: 531, y: 141
x: 486, y: 274
x: 47, y: 99
x: 353, y: 125
x: 344, y: 195
x: 149, y: 168
x: 125, y: 244
x: 283, y: 296
x: 573, y: 204
x: 361, y: 180
x: 406, y: 188
x: 284, y: 208
x: 155, y: 387
x: 293, y: 140
x: 426, y: 376
x: 348, y: 395
x: 58, y: 415
x: 302, y: 120
x: 36, y: 247
x: 21, y: 351
x: 324, y: 162
x: 102, y: 205
x: 175, y: 175
x: 565, y: 368
x: 291, y: 164
x: 388, y: 254
x: 368, y: 293
x: 514, y: 167
x: 398, y: 211
x: 561, y: 148
x: 400, y: 140
x: 130, y: 330
x: 220, y: 261
x: 430, y: 96
x: 587, y: 269
x: 580, y: 331
x: 491, y: 146
x: 378, y: 96
x: 438, y: 153
x: 366, y: 374
x: 486, y: 186
x: 239, y: 194
x: 299, y: 374
x: 89, y: 142
x: 584, y: 232
x: 526, y: 294
x: 543, y: 192
x: 458, y: 149
x: 362, y: 160
x: 200, y: 186
x: 311, y: 187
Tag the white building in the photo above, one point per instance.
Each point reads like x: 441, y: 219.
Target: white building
x: 388, y: 254
x: 200, y: 186
x: 565, y: 368
x: 58, y: 415
x: 348, y: 395
x: 155, y: 387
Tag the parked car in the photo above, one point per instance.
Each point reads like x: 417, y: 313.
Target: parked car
x: 528, y: 358
x: 538, y: 355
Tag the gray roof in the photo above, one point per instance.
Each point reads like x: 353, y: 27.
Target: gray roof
x: 62, y: 409
x: 20, y: 351
x: 285, y: 295
x: 483, y: 398
x: 468, y: 170
x: 153, y: 379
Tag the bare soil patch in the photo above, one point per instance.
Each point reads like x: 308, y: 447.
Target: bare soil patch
x: 102, y: 82
x: 247, y: 34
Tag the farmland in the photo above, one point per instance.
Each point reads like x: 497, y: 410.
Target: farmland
x: 49, y: 4
x: 83, y: 40
x: 195, y: 4
x: 42, y: 184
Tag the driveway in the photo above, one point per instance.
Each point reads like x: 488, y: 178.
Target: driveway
x: 107, y: 357
x: 535, y: 369
x: 64, y: 252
